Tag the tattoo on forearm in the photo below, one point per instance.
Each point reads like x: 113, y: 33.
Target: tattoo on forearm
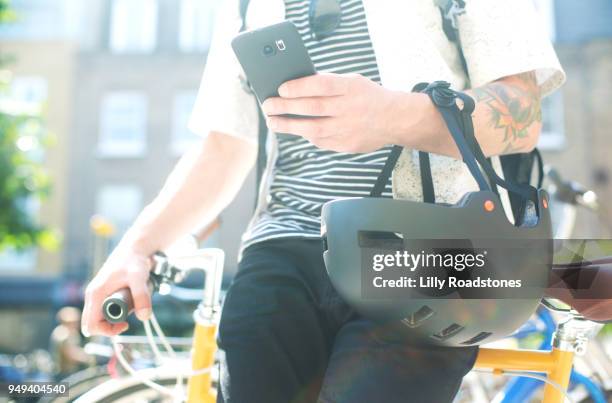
x: 514, y: 107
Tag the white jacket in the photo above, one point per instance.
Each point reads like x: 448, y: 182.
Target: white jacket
x: 498, y: 37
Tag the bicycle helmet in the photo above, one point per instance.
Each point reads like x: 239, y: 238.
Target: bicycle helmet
x: 351, y: 228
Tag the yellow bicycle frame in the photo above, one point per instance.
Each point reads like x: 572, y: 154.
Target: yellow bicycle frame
x: 199, y: 388
x: 556, y: 364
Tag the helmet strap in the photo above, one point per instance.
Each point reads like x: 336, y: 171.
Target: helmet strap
x: 460, y: 125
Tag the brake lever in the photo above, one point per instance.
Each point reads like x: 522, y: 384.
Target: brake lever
x: 572, y: 192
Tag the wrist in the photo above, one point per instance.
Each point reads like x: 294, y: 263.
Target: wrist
x: 415, y: 120
x: 139, y: 241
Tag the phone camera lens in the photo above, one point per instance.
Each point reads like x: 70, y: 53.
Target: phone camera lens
x: 269, y: 50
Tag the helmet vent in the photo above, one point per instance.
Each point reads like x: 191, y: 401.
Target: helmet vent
x: 380, y: 239
x: 447, y: 332
x: 418, y: 317
x: 478, y: 338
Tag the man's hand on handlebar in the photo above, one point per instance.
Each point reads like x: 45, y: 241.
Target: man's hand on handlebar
x: 202, y: 184
x: 125, y: 268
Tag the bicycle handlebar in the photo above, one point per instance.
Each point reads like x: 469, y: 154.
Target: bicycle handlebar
x: 117, y: 307
x: 572, y: 192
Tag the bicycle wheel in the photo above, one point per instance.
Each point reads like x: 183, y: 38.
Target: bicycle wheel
x: 80, y: 383
x: 129, y: 390
x: 608, y: 394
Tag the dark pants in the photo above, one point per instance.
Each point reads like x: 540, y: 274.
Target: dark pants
x: 286, y: 336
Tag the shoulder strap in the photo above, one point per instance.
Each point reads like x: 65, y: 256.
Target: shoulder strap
x: 426, y: 178
x: 244, y: 6
x: 429, y: 195
x: 449, y: 10
x: 385, y: 174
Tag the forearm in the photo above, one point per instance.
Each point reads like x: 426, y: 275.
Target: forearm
x: 507, y: 119
x: 202, y: 184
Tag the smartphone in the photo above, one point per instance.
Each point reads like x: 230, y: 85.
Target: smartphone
x: 272, y: 55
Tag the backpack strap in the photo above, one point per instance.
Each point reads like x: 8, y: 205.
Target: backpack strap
x: 449, y: 10
x: 244, y: 6
x: 525, y: 191
x: 517, y: 167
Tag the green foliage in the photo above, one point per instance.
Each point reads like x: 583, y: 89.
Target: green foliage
x: 6, y: 14
x: 23, y: 182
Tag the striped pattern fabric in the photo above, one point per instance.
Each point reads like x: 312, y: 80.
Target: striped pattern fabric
x: 305, y: 177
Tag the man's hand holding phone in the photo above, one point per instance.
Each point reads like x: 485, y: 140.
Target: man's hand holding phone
x: 338, y: 112
x: 348, y: 112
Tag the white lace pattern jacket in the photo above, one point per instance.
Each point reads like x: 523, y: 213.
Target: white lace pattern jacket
x: 498, y: 37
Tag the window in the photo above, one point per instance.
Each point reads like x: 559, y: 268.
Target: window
x: 552, y: 136
x: 123, y: 124
x: 182, y: 138
x: 119, y: 204
x: 195, y: 27
x: 12, y: 260
x: 133, y: 26
x: 26, y: 95
x: 31, y: 90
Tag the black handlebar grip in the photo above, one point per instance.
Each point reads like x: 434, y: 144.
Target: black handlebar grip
x: 118, y: 306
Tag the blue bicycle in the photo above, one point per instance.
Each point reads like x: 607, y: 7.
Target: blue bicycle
x: 566, y: 197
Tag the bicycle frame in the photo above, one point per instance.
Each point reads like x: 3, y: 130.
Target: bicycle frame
x: 206, y: 318
x: 570, y: 338
x: 556, y: 364
x: 521, y: 389
x: 199, y: 387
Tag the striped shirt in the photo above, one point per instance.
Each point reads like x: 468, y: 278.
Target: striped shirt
x: 304, y: 177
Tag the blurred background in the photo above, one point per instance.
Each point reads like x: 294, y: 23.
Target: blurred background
x: 94, y: 100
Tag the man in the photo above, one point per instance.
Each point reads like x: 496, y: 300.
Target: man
x: 285, y: 334
x: 65, y: 343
